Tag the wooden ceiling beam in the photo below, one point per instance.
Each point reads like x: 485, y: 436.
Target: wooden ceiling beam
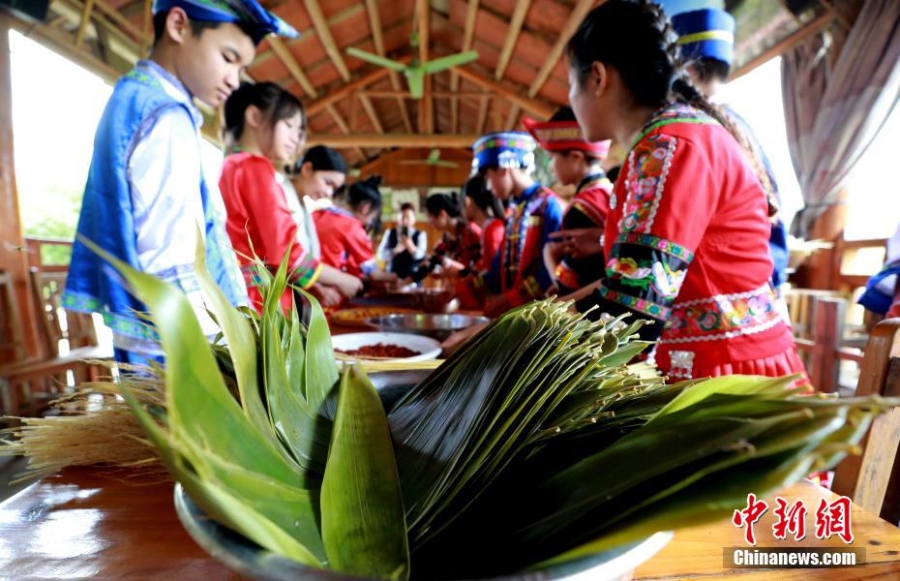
x: 434, y: 94
x: 345, y: 91
x: 147, y: 34
x: 83, y: 24
x: 345, y: 129
x: 427, y: 108
x: 378, y: 40
x: 512, y: 36
x: 422, y: 26
x: 310, y: 33
x: 532, y: 106
x: 280, y: 48
x: 482, y: 116
x: 426, y: 105
x: 371, y: 112
x: 814, y: 27
x: 577, y: 15
x: 514, y: 112
x: 324, y: 32
x: 468, y: 39
x: 402, y: 140
x: 119, y: 42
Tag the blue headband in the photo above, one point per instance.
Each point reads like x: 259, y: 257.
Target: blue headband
x: 707, y: 33
x: 508, y: 149
x: 248, y: 12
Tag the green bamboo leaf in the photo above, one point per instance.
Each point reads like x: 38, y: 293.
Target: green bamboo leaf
x: 199, y: 405
x: 706, y: 502
x: 218, y: 503
x: 363, y: 523
x: 302, y: 428
x: 729, y: 384
x: 321, y: 368
x: 242, y: 348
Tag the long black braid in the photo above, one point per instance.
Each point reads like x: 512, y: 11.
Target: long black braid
x: 637, y: 39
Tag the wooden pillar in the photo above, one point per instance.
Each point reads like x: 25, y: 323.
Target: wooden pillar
x: 13, y: 259
x: 825, y: 265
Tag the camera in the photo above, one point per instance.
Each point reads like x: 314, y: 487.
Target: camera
x: 404, y: 230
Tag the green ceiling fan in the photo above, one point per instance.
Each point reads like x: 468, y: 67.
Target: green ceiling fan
x: 433, y: 159
x: 415, y: 71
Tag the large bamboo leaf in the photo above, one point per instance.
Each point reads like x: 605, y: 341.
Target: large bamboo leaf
x: 199, y: 405
x: 242, y: 348
x: 363, y: 524
x: 217, y: 502
x: 321, y: 370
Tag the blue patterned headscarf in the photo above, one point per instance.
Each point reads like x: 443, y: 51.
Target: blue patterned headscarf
x: 706, y: 33
x: 248, y: 12
x: 507, y: 149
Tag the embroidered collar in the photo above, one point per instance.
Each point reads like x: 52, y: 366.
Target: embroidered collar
x: 592, y: 181
x: 172, y: 86
x: 673, y: 113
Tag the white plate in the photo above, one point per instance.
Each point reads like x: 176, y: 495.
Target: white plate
x: 427, y: 347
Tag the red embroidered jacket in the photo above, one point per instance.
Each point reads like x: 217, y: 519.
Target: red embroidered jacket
x: 687, y: 247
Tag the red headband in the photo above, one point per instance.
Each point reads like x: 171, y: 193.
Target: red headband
x: 564, y: 136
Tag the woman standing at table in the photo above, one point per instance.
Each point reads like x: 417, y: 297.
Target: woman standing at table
x: 342, y: 230
x: 686, y: 238
x: 459, y: 249
x: 266, y: 125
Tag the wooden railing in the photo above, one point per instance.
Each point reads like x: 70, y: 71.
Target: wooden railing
x: 48, y: 254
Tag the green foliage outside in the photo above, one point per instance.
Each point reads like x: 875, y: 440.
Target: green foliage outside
x: 52, y: 214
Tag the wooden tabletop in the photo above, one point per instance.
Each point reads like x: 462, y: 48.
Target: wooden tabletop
x: 82, y: 523
x: 698, y: 552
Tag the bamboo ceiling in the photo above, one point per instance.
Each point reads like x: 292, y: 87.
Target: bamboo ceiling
x: 366, y: 109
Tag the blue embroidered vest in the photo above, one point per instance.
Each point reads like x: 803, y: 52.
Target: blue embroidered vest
x: 107, y: 216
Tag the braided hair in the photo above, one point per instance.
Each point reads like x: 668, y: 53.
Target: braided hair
x: 651, y: 67
x: 476, y: 189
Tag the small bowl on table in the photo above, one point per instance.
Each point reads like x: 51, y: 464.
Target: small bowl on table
x: 435, y: 325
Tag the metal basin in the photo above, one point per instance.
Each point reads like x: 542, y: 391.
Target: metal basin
x: 253, y: 562
x: 437, y: 326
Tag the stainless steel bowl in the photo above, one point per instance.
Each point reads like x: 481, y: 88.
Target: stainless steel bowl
x: 435, y: 325
x: 253, y: 562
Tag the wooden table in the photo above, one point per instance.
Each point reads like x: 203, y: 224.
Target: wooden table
x: 697, y: 552
x: 81, y: 523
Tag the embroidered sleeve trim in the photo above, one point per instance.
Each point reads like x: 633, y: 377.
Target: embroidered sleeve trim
x: 649, y: 165
x: 656, y: 243
x: 636, y: 304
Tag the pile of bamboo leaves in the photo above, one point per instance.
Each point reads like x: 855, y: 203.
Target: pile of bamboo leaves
x: 537, y: 442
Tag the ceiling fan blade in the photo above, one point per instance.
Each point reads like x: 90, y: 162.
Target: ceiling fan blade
x: 452, y: 60
x: 416, y: 81
x: 377, y: 60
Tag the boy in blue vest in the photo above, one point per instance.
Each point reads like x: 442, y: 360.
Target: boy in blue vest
x: 146, y: 197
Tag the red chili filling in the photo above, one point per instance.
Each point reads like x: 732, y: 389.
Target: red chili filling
x: 381, y: 350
